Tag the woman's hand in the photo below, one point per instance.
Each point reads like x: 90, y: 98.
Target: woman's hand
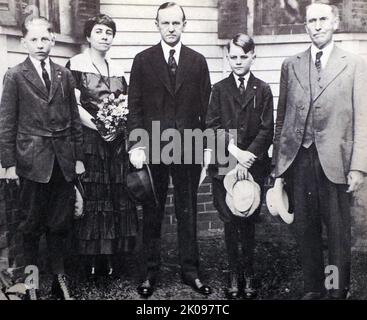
x: 86, y: 119
x: 110, y: 137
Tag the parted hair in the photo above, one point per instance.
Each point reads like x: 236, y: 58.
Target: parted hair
x: 35, y: 20
x: 99, y: 19
x: 169, y: 5
x: 243, y: 41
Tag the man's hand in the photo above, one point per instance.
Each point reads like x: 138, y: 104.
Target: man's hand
x: 10, y: 174
x: 355, y: 180
x: 79, y: 167
x: 245, y: 158
x: 137, y: 158
x: 207, y: 158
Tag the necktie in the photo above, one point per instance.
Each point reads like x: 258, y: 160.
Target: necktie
x: 318, y: 61
x: 172, y: 65
x: 45, y: 76
x: 242, y: 85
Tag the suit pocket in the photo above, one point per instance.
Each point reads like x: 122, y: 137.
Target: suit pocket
x: 25, y: 152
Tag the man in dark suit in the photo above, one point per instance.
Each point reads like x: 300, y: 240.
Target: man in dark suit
x: 320, y: 147
x: 41, y: 147
x: 169, y: 84
x: 243, y: 104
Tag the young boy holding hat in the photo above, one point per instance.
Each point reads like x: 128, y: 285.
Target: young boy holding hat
x: 242, y: 103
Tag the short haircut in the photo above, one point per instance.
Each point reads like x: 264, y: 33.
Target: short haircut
x: 37, y: 20
x: 243, y: 41
x: 334, y: 8
x: 169, y: 5
x: 99, y: 19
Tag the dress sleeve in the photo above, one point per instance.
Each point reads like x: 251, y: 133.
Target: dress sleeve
x: 124, y: 85
x: 77, y: 75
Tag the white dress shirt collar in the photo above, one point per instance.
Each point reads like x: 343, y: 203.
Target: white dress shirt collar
x: 326, y: 52
x: 166, y: 49
x: 245, y: 77
x: 37, y: 65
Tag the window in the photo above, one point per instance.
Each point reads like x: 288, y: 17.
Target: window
x: 272, y: 17
x: 7, y: 13
x: 13, y: 12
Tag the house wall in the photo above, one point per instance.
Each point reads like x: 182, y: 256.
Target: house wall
x: 137, y: 31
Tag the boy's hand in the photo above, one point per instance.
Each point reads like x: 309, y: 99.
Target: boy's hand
x: 245, y: 158
x: 10, y: 174
x: 79, y: 167
x: 242, y: 172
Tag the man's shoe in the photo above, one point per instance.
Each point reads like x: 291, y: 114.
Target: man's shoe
x: 249, y: 292
x: 232, y: 291
x: 312, y: 295
x: 146, y: 288
x: 59, y: 288
x: 198, y: 286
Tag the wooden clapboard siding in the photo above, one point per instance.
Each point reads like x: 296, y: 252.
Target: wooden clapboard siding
x: 13, y: 52
x: 149, y: 11
x: 156, y: 3
x: 143, y: 25
x: 136, y: 30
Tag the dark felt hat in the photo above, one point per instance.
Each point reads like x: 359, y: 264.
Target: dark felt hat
x: 140, y: 186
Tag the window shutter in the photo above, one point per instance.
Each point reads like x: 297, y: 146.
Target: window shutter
x: 232, y: 18
x: 82, y: 11
x: 8, y: 12
x: 355, y: 15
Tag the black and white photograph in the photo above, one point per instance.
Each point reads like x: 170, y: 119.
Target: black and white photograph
x: 208, y: 152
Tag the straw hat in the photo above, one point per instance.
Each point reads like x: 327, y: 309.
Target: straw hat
x: 277, y: 202
x: 243, y: 196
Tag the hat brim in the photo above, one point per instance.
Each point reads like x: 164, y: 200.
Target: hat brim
x: 229, y: 181
x: 278, y: 204
x: 257, y: 199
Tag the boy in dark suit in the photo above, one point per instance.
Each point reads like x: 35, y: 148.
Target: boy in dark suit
x: 243, y: 103
x: 40, y: 143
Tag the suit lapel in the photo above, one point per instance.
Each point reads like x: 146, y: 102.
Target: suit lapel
x: 235, y: 92
x: 160, y: 67
x: 183, y: 67
x: 336, y: 64
x: 250, y: 90
x: 55, y: 79
x: 31, y: 75
x: 302, y: 70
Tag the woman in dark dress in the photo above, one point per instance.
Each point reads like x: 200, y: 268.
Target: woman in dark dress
x: 109, y: 222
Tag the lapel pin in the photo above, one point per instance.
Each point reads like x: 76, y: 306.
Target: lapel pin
x: 255, y: 97
x: 59, y: 76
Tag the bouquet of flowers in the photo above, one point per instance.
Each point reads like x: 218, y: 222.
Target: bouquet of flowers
x: 112, y: 114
